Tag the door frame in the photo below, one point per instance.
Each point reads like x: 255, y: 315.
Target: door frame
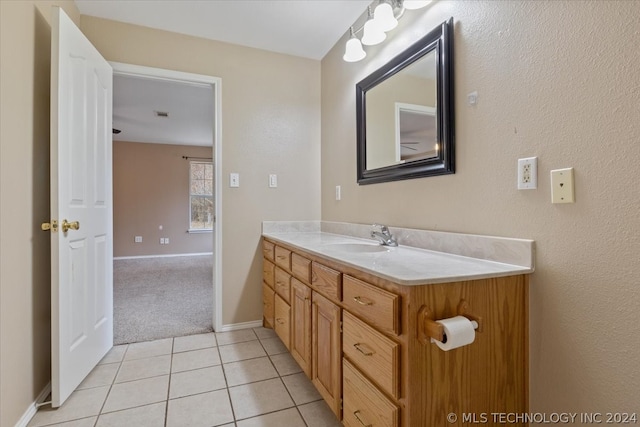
x: 216, y: 84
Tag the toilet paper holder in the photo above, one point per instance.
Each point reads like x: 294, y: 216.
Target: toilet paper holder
x: 428, y: 327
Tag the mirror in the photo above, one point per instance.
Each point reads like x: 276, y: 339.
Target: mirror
x: 405, y: 114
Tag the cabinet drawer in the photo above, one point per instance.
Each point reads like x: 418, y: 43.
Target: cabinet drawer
x: 268, y: 307
x: 283, y: 258
x: 363, y: 403
x: 301, y: 267
x: 377, y: 306
x: 268, y: 250
x: 282, y: 321
x: 374, y: 354
x: 327, y: 281
x: 283, y: 284
x: 268, y: 272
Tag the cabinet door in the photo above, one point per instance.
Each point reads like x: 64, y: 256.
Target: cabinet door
x: 326, y: 351
x: 268, y: 301
x: 282, y: 321
x: 301, y: 324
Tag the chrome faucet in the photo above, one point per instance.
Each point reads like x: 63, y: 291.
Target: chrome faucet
x: 383, y: 236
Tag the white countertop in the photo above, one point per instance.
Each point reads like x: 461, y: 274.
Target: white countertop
x: 404, y: 265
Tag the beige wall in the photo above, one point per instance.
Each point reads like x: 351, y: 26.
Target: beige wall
x: 270, y: 124
x: 151, y: 189
x: 25, y: 296
x: 558, y: 80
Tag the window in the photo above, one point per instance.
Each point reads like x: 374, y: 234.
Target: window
x: 201, y: 196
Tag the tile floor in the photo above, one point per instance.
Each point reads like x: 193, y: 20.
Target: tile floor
x: 244, y: 378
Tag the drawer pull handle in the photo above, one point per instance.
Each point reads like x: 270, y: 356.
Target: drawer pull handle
x: 281, y: 257
x: 361, y: 302
x: 355, y: 414
x: 280, y: 320
x: 358, y: 347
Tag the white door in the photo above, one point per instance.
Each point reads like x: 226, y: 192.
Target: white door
x: 81, y: 168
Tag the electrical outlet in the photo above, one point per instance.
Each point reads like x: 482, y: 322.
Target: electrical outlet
x: 137, y: 239
x: 528, y: 173
x: 166, y: 240
x: 162, y: 240
x: 562, y: 190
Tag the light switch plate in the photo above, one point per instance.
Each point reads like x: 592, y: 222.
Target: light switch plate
x: 562, y: 188
x: 234, y: 180
x: 273, y: 180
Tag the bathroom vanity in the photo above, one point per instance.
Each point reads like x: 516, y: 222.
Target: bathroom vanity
x: 360, y: 317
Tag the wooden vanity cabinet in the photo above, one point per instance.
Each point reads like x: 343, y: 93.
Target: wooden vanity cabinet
x: 268, y: 306
x: 301, y: 325
x: 326, y: 351
x: 357, y: 336
x: 282, y: 321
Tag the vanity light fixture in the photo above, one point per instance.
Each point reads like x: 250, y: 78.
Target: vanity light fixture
x: 383, y: 16
x: 353, y: 51
x: 372, y: 33
x: 382, y: 20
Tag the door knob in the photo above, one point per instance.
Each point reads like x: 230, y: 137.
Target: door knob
x: 66, y: 226
x: 53, y: 226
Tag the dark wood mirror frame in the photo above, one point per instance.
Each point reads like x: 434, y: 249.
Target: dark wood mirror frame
x: 439, y: 39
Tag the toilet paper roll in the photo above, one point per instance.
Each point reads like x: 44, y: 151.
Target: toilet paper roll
x: 458, y: 331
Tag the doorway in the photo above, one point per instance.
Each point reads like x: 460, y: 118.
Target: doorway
x: 213, y: 90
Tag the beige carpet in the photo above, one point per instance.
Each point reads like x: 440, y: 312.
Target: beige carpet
x: 162, y: 297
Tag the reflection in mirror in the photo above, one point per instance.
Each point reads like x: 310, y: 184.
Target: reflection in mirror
x: 405, y: 113
x: 401, y: 121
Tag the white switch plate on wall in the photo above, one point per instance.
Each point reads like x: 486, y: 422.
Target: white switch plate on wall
x: 273, y: 180
x: 234, y: 180
x: 562, y: 190
x: 137, y: 239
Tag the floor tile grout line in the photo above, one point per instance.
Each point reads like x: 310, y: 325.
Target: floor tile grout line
x: 111, y: 385
x: 166, y: 403
x: 295, y: 405
x: 226, y: 383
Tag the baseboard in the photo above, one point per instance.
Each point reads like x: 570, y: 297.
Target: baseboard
x: 244, y: 325
x: 33, y: 408
x: 161, y: 256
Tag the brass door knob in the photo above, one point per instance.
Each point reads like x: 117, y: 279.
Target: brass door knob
x: 66, y: 226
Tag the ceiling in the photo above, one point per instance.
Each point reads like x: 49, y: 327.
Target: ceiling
x: 137, y: 100
x: 306, y: 28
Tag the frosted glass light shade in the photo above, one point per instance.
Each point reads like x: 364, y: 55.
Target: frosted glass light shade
x: 353, y: 51
x: 372, y: 34
x: 383, y: 16
x: 415, y: 4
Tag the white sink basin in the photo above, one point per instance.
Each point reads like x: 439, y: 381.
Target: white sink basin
x: 359, y: 248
